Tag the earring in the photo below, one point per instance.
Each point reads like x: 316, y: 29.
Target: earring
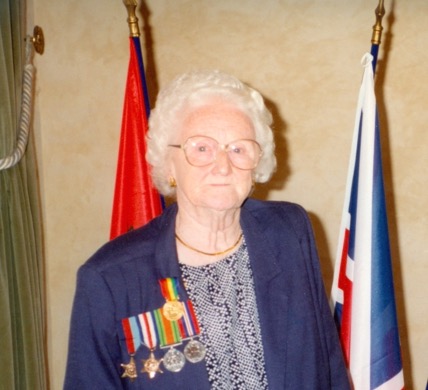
x: 172, y: 183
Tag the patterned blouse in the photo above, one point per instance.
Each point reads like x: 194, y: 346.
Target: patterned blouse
x: 225, y: 304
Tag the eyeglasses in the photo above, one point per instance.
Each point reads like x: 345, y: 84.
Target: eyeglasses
x: 201, y: 151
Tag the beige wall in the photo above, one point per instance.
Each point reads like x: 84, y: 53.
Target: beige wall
x: 304, y: 56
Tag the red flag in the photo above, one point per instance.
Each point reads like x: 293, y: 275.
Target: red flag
x: 136, y: 201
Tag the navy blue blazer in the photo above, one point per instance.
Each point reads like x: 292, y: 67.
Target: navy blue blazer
x: 299, y: 338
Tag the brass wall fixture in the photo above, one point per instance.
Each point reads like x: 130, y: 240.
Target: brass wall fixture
x: 38, y: 40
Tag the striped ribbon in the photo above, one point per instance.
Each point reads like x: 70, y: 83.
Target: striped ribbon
x: 169, y: 331
x: 148, y: 329
x: 132, y: 333
x: 169, y: 288
x: 188, y: 324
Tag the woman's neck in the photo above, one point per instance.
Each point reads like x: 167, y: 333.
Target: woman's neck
x: 206, y: 236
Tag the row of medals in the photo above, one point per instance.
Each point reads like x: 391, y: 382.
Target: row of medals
x: 174, y: 360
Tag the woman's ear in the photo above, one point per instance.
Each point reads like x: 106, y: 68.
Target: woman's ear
x: 170, y: 173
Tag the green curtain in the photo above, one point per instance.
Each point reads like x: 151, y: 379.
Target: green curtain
x: 23, y: 363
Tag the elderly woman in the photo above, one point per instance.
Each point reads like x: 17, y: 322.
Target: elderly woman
x: 220, y: 291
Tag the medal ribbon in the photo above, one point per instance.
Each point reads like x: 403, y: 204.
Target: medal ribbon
x: 169, y: 331
x: 148, y: 330
x: 132, y: 334
x: 169, y: 288
x: 188, y: 324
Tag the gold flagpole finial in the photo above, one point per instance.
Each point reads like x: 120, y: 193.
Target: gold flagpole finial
x: 132, y: 19
x: 377, y: 28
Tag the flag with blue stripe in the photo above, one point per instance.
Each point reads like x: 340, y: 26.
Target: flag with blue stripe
x: 363, y: 292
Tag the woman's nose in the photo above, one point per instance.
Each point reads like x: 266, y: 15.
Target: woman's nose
x: 222, y: 162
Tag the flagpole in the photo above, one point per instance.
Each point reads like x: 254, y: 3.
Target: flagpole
x: 134, y: 33
x: 377, y: 33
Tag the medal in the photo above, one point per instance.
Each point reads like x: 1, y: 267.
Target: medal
x: 173, y: 308
x: 194, y: 351
x: 151, y: 366
x: 169, y: 335
x: 133, y: 341
x: 174, y: 360
x: 189, y: 327
x: 130, y: 370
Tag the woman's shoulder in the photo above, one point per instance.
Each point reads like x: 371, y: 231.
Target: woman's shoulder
x: 274, y: 207
x: 278, y: 214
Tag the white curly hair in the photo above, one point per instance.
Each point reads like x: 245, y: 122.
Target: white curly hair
x: 194, y: 89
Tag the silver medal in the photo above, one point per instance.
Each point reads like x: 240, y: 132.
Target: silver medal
x: 174, y: 360
x: 194, y: 351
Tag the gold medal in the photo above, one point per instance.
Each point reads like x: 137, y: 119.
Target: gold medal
x: 130, y: 370
x: 151, y: 366
x: 173, y: 310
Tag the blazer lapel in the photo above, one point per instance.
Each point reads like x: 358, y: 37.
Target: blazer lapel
x: 166, y: 251
x: 271, y: 298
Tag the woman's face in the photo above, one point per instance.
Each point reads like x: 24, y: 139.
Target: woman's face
x: 218, y: 186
